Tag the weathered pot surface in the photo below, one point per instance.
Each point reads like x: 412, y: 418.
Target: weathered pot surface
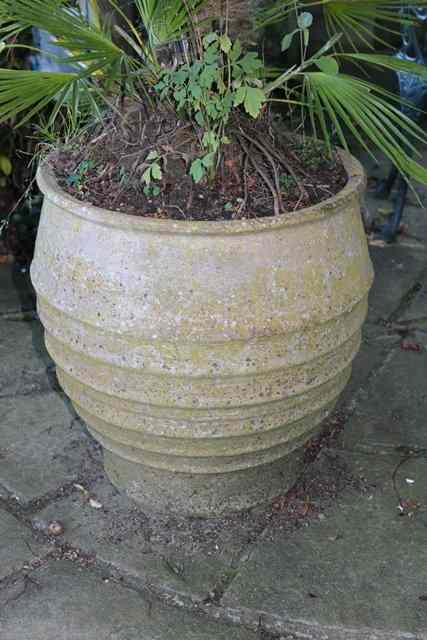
x: 202, y: 355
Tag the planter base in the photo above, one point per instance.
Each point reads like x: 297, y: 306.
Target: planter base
x: 202, y: 495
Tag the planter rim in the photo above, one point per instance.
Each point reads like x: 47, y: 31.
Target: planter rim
x: 50, y: 188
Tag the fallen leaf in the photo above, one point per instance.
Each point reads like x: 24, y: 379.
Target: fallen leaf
x: 410, y: 345
x: 377, y: 242
x: 81, y: 488
x: 335, y: 538
x: 407, y: 507
x: 94, y: 503
x: 55, y: 528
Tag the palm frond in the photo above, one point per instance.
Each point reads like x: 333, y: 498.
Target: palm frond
x: 167, y: 20
x: 389, y: 62
x: 340, y: 102
x: 101, y: 67
x: 30, y: 91
x: 361, y: 21
x: 82, y: 43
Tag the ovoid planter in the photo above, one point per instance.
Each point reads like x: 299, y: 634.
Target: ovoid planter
x: 202, y: 355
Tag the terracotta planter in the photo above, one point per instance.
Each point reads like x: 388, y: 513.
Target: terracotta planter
x: 202, y: 355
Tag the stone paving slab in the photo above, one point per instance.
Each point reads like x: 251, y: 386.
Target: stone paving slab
x: 397, y: 268
x: 358, y: 572
x: 187, y: 557
x: 66, y: 602
x: 42, y: 445
x: 17, y: 546
x: 415, y: 218
x: 393, y: 415
x: 24, y: 362
x: 375, y: 347
x: 416, y: 313
x: 16, y: 293
x: 416, y: 206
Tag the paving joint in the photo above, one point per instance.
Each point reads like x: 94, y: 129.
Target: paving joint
x: 408, y: 298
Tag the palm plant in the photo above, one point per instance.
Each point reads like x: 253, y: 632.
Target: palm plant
x: 215, y: 85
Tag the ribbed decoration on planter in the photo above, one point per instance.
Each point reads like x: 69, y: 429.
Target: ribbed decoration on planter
x: 202, y: 355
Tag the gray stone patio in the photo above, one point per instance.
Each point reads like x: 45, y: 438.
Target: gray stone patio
x: 343, y: 556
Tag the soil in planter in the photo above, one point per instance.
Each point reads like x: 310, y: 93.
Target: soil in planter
x: 265, y: 170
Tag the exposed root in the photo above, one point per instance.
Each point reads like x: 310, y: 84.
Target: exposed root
x: 274, y: 191
x: 281, y: 159
x: 261, y: 147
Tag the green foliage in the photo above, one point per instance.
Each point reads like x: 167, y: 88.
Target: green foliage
x: 214, y: 82
x: 367, y: 112
x: 210, y: 88
x: 166, y: 20
x: 78, y: 178
x: 152, y: 172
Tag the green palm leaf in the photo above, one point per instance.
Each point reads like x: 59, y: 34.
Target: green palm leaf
x: 101, y: 66
x: 167, y: 20
x: 389, y: 62
x: 366, y: 112
x: 31, y: 91
x: 82, y: 43
x: 359, y: 20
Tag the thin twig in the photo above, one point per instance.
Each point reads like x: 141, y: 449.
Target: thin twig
x: 190, y: 196
x: 175, y: 206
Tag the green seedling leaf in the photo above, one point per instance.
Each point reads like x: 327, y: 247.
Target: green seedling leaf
x: 211, y: 54
x: 197, y: 170
x: 209, y: 38
x: 251, y: 63
x: 287, y: 40
x: 254, y: 100
x: 208, y: 160
x: 195, y: 90
x: 208, y: 76
x: 146, y: 176
x: 236, y: 51
x: 210, y: 139
x: 199, y: 118
x: 72, y: 179
x: 327, y: 64
x: 239, y: 96
x: 156, y: 171
x: 225, y: 43
x: 85, y: 165
x: 153, y: 155
x: 5, y: 165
